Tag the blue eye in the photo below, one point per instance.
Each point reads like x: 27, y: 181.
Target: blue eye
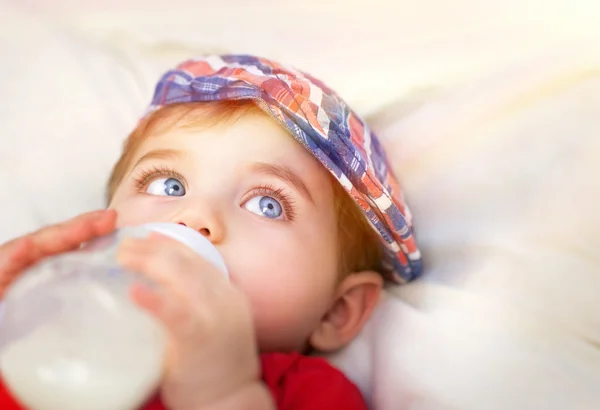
x: 265, y: 206
x: 166, y: 187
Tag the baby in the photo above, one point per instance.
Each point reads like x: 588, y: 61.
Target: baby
x: 296, y: 193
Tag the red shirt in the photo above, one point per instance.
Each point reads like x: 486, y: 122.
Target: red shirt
x: 296, y: 382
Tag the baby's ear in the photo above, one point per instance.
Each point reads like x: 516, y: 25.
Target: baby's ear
x: 356, y: 297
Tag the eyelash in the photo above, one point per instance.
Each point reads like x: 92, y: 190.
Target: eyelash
x: 146, y: 176
x: 284, y: 198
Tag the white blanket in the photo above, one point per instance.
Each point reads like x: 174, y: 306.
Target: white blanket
x: 504, y: 180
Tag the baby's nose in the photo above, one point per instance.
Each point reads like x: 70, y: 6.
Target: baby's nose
x: 203, y: 231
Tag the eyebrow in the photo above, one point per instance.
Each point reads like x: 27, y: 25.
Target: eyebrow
x: 285, y: 174
x: 159, y: 154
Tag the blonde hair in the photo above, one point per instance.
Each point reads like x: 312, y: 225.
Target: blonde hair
x: 359, y: 246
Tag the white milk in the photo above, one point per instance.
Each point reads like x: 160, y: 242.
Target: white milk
x: 109, y: 362
x: 73, y: 339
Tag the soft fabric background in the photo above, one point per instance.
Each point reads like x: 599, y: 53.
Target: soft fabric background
x: 491, y: 113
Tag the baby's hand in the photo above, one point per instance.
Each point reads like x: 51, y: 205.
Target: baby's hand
x: 212, y: 352
x: 20, y: 253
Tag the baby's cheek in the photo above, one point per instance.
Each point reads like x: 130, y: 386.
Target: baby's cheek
x: 285, y: 310
x: 289, y: 284
x: 136, y: 211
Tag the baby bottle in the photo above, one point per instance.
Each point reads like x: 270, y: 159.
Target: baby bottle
x: 71, y: 338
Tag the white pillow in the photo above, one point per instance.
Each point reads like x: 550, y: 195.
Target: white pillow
x: 503, y: 180
x: 66, y: 106
x: 371, y: 51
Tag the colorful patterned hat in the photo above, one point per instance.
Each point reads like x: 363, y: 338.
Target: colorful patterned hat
x: 323, y: 123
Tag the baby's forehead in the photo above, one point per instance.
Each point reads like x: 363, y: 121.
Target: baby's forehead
x: 197, y: 115
x: 241, y: 141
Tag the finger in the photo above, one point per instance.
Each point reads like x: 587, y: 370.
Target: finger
x: 104, y: 223
x: 172, y: 311
x: 208, y: 270
x: 16, y: 248
x: 67, y: 236
x: 13, y: 262
x: 16, y: 254
x: 168, y: 263
x: 176, y: 313
x: 146, y: 298
x: 71, y: 234
x: 20, y: 253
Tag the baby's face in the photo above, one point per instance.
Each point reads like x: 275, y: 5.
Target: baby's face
x: 262, y: 199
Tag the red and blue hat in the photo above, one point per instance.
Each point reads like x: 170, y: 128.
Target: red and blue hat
x: 324, y: 124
